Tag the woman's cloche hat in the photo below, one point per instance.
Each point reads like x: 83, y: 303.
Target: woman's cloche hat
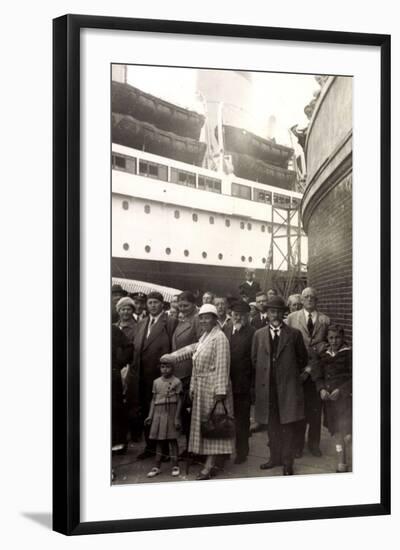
x: 208, y: 308
x: 126, y: 301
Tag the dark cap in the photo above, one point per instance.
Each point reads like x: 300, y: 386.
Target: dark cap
x: 155, y: 296
x: 276, y: 302
x: 241, y: 307
x: 117, y: 289
x: 138, y: 296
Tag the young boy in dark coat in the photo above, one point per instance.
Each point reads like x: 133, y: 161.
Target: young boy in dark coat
x: 334, y: 384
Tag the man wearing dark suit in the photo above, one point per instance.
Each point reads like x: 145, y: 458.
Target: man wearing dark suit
x: 313, y: 326
x: 188, y: 331
x: 153, y: 339
x: 139, y: 300
x: 240, y: 335
x: 261, y: 319
x: 249, y: 287
x: 279, y: 356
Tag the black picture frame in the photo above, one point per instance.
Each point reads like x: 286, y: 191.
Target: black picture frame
x: 66, y: 272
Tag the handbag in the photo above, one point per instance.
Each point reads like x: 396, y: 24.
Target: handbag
x: 218, y: 425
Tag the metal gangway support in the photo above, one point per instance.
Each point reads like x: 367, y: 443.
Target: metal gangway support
x: 284, y: 269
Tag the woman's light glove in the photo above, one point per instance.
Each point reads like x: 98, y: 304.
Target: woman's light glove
x: 167, y: 358
x: 324, y: 395
x: 334, y: 395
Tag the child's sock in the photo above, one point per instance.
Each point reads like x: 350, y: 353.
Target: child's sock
x: 341, y: 464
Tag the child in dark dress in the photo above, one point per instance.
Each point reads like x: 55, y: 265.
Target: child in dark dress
x: 164, y: 416
x: 334, y: 383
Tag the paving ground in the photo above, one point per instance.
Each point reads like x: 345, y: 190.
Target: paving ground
x: 128, y: 469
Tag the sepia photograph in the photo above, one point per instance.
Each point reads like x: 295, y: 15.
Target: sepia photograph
x: 231, y: 245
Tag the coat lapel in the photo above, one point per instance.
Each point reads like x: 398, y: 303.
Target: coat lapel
x: 141, y: 334
x: 316, y: 325
x: 302, y: 320
x: 267, y: 342
x: 283, y: 339
x: 228, y: 332
x: 155, y: 331
x: 182, y: 327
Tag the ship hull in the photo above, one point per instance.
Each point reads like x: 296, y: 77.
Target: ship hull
x: 224, y: 280
x: 188, y: 276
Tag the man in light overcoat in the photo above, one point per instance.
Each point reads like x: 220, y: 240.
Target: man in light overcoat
x: 313, y: 326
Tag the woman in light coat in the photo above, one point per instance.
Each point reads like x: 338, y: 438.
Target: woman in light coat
x: 210, y: 384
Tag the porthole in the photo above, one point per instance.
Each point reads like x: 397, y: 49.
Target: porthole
x: 264, y: 260
x: 250, y: 259
x: 125, y: 246
x: 195, y: 217
x: 269, y: 229
x: 204, y: 254
x: 241, y: 225
x: 211, y: 220
x: 147, y: 208
x: 263, y: 228
x: 243, y: 258
x: 167, y: 250
x: 125, y: 205
x: 220, y: 256
x: 177, y: 214
x: 227, y: 223
x: 186, y: 252
x: 147, y: 248
x: 249, y: 226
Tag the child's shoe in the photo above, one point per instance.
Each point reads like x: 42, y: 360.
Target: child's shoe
x: 341, y: 465
x: 175, y: 471
x: 348, y: 452
x: 154, y: 472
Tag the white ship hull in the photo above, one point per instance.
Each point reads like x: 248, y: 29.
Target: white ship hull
x: 169, y: 231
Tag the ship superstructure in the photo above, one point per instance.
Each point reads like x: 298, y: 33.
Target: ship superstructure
x: 189, y: 213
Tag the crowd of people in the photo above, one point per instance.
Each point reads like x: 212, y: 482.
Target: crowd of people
x: 174, y: 367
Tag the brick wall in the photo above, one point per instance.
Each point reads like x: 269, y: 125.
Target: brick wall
x: 330, y: 254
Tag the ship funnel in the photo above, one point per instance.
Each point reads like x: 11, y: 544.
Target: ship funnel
x: 233, y: 90
x: 119, y: 73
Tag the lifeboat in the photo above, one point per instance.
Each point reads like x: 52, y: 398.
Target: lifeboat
x: 128, y: 100
x: 131, y: 132
x: 238, y: 140
x: 247, y: 167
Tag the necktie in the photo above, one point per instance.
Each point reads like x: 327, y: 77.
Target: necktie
x: 310, y: 324
x: 264, y: 320
x: 275, y: 341
x: 152, y: 321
